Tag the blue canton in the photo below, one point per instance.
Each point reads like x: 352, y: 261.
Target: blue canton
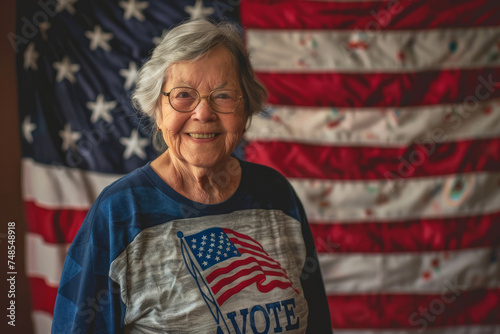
x: 211, y: 246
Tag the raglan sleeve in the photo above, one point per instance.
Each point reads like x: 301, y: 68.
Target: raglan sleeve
x: 312, y: 282
x: 88, y: 301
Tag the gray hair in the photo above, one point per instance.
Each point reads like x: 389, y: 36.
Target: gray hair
x: 188, y: 42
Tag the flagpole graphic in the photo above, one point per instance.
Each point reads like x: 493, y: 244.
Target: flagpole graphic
x: 208, y: 298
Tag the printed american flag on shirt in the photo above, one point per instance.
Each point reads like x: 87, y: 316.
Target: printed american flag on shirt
x: 244, y: 263
x: 384, y: 115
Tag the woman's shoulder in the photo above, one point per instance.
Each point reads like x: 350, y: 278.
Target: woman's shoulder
x: 135, y: 179
x: 120, y: 201
x: 262, y: 171
x: 265, y: 177
x: 136, y: 184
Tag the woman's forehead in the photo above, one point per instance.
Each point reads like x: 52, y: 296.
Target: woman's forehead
x: 216, y: 67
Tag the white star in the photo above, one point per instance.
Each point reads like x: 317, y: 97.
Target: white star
x: 200, y: 254
x: 198, y: 11
x: 44, y: 26
x: 210, y: 250
x: 101, y: 109
x: 193, y: 246
x: 205, y: 263
x: 98, y: 38
x: 66, y: 4
x: 28, y: 128
x: 129, y: 74
x: 133, y: 8
x: 204, y: 237
x: 193, y: 240
x: 134, y: 145
x: 69, y: 138
x: 212, y: 235
x: 202, y: 248
x: 208, y: 256
x: 217, y: 258
x: 203, y: 243
x: 158, y: 39
x: 65, y: 69
x: 30, y: 57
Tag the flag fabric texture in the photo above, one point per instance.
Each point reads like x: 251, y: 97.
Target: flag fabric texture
x: 384, y: 115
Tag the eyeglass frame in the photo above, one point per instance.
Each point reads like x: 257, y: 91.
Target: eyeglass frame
x: 241, y: 97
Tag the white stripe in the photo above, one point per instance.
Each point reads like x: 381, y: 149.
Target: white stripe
x: 247, y: 241
x: 42, y: 322
x: 54, y: 186
x: 267, y: 280
x: 479, y: 329
x: 267, y: 265
x: 340, y: 201
x: 44, y: 260
x: 404, y: 273
x: 329, y: 50
x: 388, y: 127
x: 324, y: 200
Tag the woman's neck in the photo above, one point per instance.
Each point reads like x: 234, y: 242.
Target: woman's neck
x: 200, y: 184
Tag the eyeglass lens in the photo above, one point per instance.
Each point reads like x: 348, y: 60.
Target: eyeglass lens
x: 186, y: 99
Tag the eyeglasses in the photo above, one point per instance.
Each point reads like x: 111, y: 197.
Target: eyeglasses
x: 186, y: 99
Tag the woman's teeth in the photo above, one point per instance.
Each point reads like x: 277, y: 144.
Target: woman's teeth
x: 202, y: 135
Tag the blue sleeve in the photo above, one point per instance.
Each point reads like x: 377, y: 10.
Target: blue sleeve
x: 312, y: 283
x: 88, y: 301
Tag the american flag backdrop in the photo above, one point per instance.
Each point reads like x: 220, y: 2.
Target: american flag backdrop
x: 384, y: 115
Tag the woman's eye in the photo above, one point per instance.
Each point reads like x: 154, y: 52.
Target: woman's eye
x: 183, y: 95
x: 223, y: 96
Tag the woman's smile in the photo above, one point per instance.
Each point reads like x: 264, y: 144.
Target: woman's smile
x: 203, y: 135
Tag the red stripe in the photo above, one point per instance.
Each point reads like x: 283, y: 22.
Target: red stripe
x: 242, y: 273
x: 54, y: 225
x: 381, y: 89
x: 227, y: 294
x: 43, y: 296
x: 242, y: 236
x: 259, y: 255
x: 247, y: 245
x: 275, y: 284
x: 376, y: 163
x: 368, y: 16
x: 257, y: 247
x: 420, y: 235
x: 262, y: 288
x: 413, y: 312
x: 239, y: 263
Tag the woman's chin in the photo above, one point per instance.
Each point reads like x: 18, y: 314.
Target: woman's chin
x: 206, y: 160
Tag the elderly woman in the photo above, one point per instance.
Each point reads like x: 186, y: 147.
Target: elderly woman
x: 195, y: 241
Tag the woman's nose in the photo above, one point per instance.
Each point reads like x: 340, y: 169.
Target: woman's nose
x: 204, y: 112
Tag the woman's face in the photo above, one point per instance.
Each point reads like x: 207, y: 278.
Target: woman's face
x: 221, y: 132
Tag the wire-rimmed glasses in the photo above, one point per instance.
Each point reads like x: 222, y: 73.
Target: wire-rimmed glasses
x: 186, y: 99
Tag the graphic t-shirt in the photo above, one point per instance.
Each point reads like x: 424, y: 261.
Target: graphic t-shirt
x: 148, y: 260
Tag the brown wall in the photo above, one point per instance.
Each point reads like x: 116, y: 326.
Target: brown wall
x: 10, y: 193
